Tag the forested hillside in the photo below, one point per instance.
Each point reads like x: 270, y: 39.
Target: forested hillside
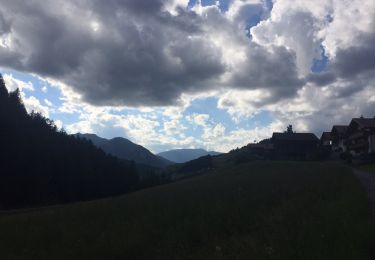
x: 125, y: 149
x: 41, y: 164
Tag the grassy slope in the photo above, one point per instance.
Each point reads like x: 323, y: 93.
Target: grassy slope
x: 252, y: 211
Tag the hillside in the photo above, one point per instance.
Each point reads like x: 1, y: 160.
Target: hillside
x: 42, y: 165
x: 204, y: 164
x: 259, y: 210
x: 185, y: 155
x: 125, y: 149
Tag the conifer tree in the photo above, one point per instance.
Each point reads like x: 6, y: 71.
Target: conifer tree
x: 3, y: 89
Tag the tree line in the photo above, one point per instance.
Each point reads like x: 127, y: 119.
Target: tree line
x: 41, y: 165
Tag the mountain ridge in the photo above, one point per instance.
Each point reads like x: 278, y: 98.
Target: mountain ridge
x: 123, y: 148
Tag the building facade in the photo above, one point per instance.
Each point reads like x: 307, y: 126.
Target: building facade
x: 360, y: 136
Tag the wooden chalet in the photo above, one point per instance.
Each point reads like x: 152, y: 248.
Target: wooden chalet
x: 294, y: 145
x: 326, y: 139
x: 360, y: 136
x: 338, y: 137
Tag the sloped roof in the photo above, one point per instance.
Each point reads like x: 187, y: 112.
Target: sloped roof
x: 295, y: 136
x: 325, y: 136
x: 365, y: 122
x: 341, y: 129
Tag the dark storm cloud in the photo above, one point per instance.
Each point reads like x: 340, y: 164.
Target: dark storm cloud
x: 357, y: 59
x: 274, y: 71
x: 134, y: 53
x: 350, y: 82
x: 4, y: 24
x: 351, y: 70
x: 137, y: 55
x: 322, y: 79
x: 10, y: 59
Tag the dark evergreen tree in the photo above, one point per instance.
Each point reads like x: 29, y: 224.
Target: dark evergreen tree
x: 41, y: 165
x: 3, y: 89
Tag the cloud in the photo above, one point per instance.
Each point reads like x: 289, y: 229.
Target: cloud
x: 213, y: 133
x: 357, y: 59
x: 135, y: 53
x: 59, y: 124
x: 219, y: 140
x: 161, y: 55
x: 80, y: 127
x: 243, y: 103
x: 173, y: 127
x: 48, y: 103
x: 12, y: 83
x: 33, y: 104
x: 198, y: 119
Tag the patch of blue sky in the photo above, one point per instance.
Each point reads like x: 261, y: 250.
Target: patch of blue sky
x: 52, y: 94
x: 329, y: 18
x: 19, y: 75
x: 223, y: 4
x: 44, y: 91
x: 261, y: 119
x: 319, y: 65
x: 268, y: 4
x: 253, y: 21
x: 256, y: 14
x: 209, y: 106
x: 191, y: 129
x: 126, y: 111
x: 22, y: 77
x: 66, y: 118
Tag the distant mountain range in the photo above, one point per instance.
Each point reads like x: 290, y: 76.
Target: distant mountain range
x: 185, y: 155
x: 125, y: 149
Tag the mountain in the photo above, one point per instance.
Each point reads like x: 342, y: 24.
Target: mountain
x: 185, y: 155
x: 42, y: 165
x: 125, y: 149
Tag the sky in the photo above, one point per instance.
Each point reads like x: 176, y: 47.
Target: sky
x: 206, y: 74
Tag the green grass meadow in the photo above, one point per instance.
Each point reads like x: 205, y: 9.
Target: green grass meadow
x: 260, y: 210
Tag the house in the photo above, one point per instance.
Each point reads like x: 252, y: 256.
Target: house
x: 360, y: 136
x: 338, y: 138
x: 294, y: 145
x: 326, y: 139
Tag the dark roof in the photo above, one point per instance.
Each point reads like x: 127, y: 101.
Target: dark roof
x: 325, y: 136
x: 341, y: 129
x: 294, y: 136
x: 365, y: 122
